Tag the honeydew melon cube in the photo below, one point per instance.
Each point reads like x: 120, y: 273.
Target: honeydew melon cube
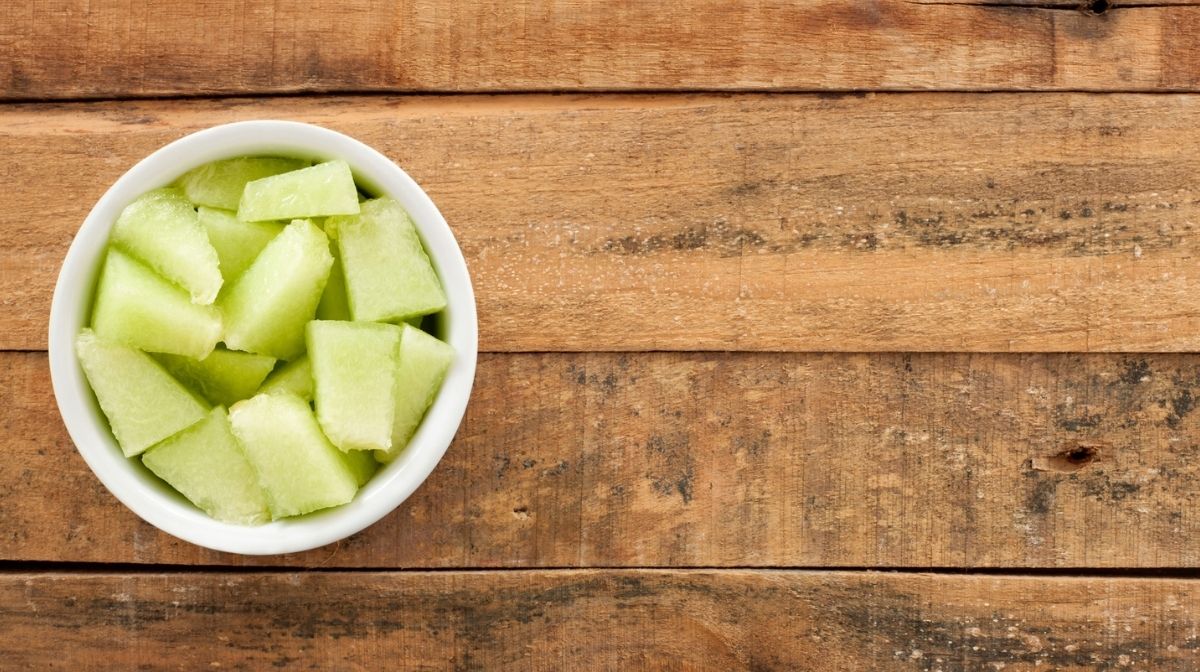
x: 162, y: 230
x: 354, y: 381
x: 333, y: 305
x: 297, y: 467
x: 223, y: 377
x: 388, y: 275
x: 205, y: 464
x: 137, y: 307
x: 322, y: 190
x: 220, y: 184
x: 294, y: 377
x: 362, y: 464
x: 237, y: 243
x: 267, y: 307
x: 422, y: 364
x: 142, y: 402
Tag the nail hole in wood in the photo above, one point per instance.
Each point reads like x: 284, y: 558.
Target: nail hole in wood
x: 1080, y: 455
x: 1070, y: 459
x: 1098, y: 6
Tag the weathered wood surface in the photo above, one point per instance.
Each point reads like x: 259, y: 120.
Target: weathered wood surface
x: 589, y: 620
x: 917, y: 222
x: 80, y: 48
x: 694, y: 459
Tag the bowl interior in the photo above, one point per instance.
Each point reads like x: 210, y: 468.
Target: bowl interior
x: 143, y: 492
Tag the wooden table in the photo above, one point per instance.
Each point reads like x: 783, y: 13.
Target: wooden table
x: 816, y: 335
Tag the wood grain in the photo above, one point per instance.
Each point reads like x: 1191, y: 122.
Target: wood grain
x: 589, y: 620
x: 691, y: 459
x: 901, y: 222
x: 82, y: 48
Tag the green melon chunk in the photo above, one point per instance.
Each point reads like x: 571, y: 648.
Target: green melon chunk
x: 333, y: 305
x: 294, y: 377
x: 206, y: 464
x: 161, y: 230
x: 353, y: 370
x: 220, y: 184
x: 388, y: 275
x: 362, y: 464
x: 267, y: 307
x: 223, y: 377
x: 142, y: 402
x: 237, y: 243
x: 297, y: 467
x: 137, y: 307
x: 322, y: 190
x: 422, y: 365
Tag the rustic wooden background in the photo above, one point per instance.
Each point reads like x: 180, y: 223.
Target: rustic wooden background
x: 817, y: 335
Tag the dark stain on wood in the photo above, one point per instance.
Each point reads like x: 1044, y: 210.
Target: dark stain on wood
x: 671, y: 468
x: 1041, y: 497
x: 1081, y: 230
x: 1182, y: 403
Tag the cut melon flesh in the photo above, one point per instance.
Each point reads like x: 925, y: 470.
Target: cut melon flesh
x: 388, y: 275
x: 422, y: 364
x: 353, y: 371
x: 294, y: 377
x: 297, y: 467
x: 142, y: 402
x: 137, y: 307
x: 206, y: 464
x: 362, y: 464
x: 220, y: 184
x: 267, y: 307
x: 223, y: 377
x: 322, y: 190
x: 162, y: 230
x: 237, y: 243
x: 333, y: 305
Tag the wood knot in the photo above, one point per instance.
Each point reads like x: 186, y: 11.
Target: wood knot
x: 1070, y: 459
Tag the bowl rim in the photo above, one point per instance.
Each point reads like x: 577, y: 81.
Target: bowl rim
x: 126, y: 478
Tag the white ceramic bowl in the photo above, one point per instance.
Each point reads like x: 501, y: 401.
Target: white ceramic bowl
x: 135, y: 486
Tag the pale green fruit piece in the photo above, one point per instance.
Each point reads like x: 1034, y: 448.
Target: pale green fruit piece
x: 223, y: 377
x: 142, y: 402
x: 388, y: 275
x: 322, y: 190
x: 206, y: 465
x: 294, y: 377
x: 333, y: 305
x: 422, y: 365
x: 137, y: 307
x: 237, y: 243
x: 362, y: 464
x: 162, y: 230
x: 297, y: 467
x: 267, y: 307
x: 220, y: 184
x: 353, y: 370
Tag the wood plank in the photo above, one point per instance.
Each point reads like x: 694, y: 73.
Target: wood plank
x: 918, y: 222
x: 587, y: 620
x: 82, y: 48
x: 676, y: 459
